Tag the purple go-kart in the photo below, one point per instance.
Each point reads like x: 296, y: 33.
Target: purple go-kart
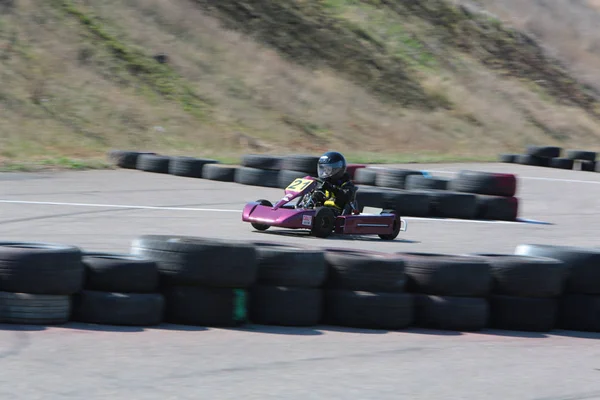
x: 320, y: 220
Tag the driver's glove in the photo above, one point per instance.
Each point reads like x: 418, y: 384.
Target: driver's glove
x: 318, y: 196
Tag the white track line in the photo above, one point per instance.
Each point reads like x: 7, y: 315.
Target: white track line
x: 56, y: 203
x: 529, y: 177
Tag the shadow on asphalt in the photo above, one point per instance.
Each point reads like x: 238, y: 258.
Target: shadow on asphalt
x: 308, y: 236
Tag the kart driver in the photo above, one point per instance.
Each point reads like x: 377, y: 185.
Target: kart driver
x: 337, y: 189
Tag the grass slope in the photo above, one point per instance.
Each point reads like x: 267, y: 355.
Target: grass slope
x: 379, y: 80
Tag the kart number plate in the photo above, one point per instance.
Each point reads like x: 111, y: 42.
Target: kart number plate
x: 307, y: 220
x: 299, y: 184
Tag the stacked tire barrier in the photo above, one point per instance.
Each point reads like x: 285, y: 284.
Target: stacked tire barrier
x: 550, y: 156
x: 366, y: 290
x: 119, y: 289
x: 204, y: 281
x: 216, y: 283
x: 450, y: 290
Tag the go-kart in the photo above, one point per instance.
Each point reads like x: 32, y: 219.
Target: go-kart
x: 322, y: 219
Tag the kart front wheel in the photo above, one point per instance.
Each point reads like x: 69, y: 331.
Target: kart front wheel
x: 262, y: 227
x: 323, y: 222
x: 396, y: 226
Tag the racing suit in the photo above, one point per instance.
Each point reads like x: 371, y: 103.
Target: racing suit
x: 340, y: 191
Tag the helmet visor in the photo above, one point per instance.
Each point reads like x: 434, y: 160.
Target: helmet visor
x: 327, y: 170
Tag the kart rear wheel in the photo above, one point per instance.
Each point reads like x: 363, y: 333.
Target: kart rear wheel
x: 262, y: 227
x: 323, y: 222
x: 396, y: 226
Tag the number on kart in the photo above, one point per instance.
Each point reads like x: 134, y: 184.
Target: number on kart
x: 299, y: 184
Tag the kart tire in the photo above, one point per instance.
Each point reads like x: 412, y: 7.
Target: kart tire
x: 256, y: 177
x: 497, y: 208
x: 124, y: 273
x: 153, y: 163
x: 125, y: 159
x: 579, y: 312
x: 423, y: 182
x: 528, y: 314
x: 365, y: 271
x: 589, y: 166
x: 206, y: 306
x: 397, y: 226
x: 525, y: 276
x: 394, y: 178
x: 451, y: 312
x: 113, y: 308
x: 188, y: 166
x: 534, y: 161
x: 40, y: 268
x: 447, y: 274
x: 290, y: 266
x: 371, y: 310
x: 188, y: 260
x: 582, y: 264
x: 260, y: 161
x: 218, y: 172
x: 285, y: 306
x: 323, y: 222
x: 262, y: 227
x: 479, y: 182
x: 34, y: 309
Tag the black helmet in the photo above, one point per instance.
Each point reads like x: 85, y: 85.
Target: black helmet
x: 331, y: 165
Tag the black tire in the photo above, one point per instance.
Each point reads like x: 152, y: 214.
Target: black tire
x: 40, y: 268
x: 34, y: 309
x: 364, y: 271
x: 262, y: 227
x: 581, y: 155
x: 447, y: 274
x: 415, y: 182
x: 582, y: 263
x: 365, y: 176
x: 396, y: 227
x: 359, y: 309
x: 489, y: 183
x: 301, y: 162
x: 523, y: 313
x: 286, y: 177
x: 283, y: 265
x: 526, y: 276
x: 206, y: 306
x: 451, y: 313
x: 497, y: 208
x: 561, y: 163
x: 256, y: 177
x: 260, y: 161
x: 111, y: 308
x: 526, y: 159
x: 369, y: 197
x: 323, y: 222
x: 589, y: 166
x: 394, y: 178
x: 125, y: 159
x: 543, y: 151
x: 285, y: 306
x: 188, y: 166
x: 153, y: 163
x: 126, y: 273
x: 184, y: 260
x: 508, y: 158
x: 579, y: 312
x: 410, y: 203
x: 447, y: 204
x: 218, y: 172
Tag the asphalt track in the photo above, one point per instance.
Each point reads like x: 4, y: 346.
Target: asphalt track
x: 106, y: 210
